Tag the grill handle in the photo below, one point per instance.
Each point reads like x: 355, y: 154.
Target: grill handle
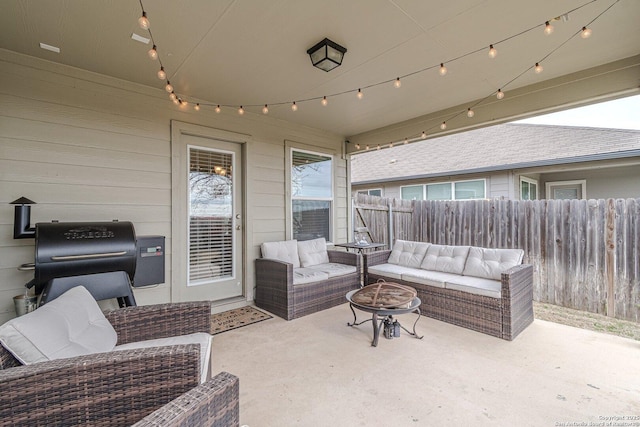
x: 27, y: 267
x: 87, y: 256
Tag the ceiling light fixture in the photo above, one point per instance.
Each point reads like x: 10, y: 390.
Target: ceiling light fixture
x: 326, y: 55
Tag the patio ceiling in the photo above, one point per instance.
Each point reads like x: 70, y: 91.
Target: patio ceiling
x: 253, y: 52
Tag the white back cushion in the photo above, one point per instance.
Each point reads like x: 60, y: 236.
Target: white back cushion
x: 490, y: 263
x: 286, y: 251
x: 448, y: 259
x: 313, y: 252
x: 408, y: 254
x: 70, y: 325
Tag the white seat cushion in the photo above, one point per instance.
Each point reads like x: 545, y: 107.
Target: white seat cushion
x: 475, y: 285
x: 201, y: 338
x: 408, y: 254
x: 313, y: 252
x: 334, y: 269
x: 392, y: 271
x: 70, y: 325
x: 285, y: 251
x: 429, y: 278
x: 303, y: 275
x: 447, y: 259
x: 490, y: 263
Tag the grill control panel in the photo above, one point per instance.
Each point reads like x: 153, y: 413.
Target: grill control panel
x: 149, y: 261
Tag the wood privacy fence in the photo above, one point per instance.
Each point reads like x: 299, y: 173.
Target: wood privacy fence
x: 585, y: 253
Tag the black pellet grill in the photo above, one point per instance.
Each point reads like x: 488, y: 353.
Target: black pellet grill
x: 104, y: 257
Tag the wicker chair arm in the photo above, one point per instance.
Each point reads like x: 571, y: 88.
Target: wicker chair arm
x: 375, y: 258
x: 342, y: 257
x: 115, y: 388
x: 516, y: 280
x: 212, y: 404
x: 147, y: 322
x: 273, y: 273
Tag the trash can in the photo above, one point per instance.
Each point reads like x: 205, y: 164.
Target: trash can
x: 25, y: 304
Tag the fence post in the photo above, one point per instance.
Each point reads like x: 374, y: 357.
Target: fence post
x: 390, y: 223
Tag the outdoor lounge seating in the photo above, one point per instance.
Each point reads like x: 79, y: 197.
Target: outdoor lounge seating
x: 111, y: 387
x: 294, y: 278
x: 487, y: 290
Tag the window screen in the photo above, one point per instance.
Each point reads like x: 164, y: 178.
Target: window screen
x: 311, y: 195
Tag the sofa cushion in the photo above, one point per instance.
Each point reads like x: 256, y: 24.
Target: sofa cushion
x: 407, y: 253
x: 428, y: 277
x: 70, y: 325
x: 334, y: 269
x: 302, y: 275
x: 475, y: 285
x: 285, y: 251
x: 447, y: 259
x: 391, y: 271
x: 313, y: 252
x: 201, y: 338
x: 490, y: 263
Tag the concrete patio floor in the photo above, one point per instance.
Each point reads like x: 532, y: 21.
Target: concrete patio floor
x: 317, y: 371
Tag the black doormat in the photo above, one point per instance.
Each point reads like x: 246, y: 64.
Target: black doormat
x: 236, y: 318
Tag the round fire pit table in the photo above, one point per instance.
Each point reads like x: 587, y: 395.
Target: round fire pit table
x: 383, y: 312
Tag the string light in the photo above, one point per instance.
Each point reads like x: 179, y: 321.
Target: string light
x: 424, y: 135
x: 294, y: 106
x: 217, y: 109
x: 265, y: 109
x: 397, y: 83
x: 153, y: 53
x: 172, y: 96
x: 538, y: 68
x: 391, y: 144
x: 470, y: 113
x: 500, y: 94
x: 357, y: 146
x: 492, y: 51
x: 443, y: 126
x: 548, y: 28
x: 585, y: 33
x: 443, y: 69
x: 143, y: 21
x: 161, y: 74
x: 406, y: 141
x: 324, y: 101
x: 168, y: 87
x: 367, y: 148
x: 241, y: 110
x: 378, y: 147
x: 197, y: 107
x: 359, y: 94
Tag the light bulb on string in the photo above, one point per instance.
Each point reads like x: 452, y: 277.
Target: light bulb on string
x: 241, y: 110
x: 548, y: 28
x: 197, y: 107
x: 357, y: 146
x: 359, y: 94
x: 391, y: 145
x: 294, y: 106
x: 367, y: 148
x: 443, y: 69
x: 168, y: 87
x: 172, y: 96
x: 161, y: 74
x: 324, y: 101
x: 470, y: 113
x: 265, y: 109
x: 538, y: 68
x: 184, y: 103
x: 378, y: 147
x: 153, y: 53
x: 443, y: 126
x: 176, y: 100
x: 500, y: 94
x: 406, y: 140
x: 143, y: 21
x: 217, y: 109
x: 397, y: 83
x: 492, y: 51
x: 424, y: 135
x: 585, y: 33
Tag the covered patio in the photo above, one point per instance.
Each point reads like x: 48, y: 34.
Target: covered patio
x: 317, y: 371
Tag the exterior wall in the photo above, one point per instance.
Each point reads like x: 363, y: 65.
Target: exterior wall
x: 615, y: 182
x: 87, y: 147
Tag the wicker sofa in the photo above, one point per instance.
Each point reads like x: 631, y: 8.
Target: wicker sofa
x: 121, y: 388
x: 294, y: 278
x: 487, y: 290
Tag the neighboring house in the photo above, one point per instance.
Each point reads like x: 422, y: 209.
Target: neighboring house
x: 511, y: 161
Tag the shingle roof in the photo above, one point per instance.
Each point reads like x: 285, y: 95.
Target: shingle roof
x: 507, y: 146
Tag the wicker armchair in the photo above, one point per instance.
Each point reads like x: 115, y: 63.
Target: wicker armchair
x: 111, y: 389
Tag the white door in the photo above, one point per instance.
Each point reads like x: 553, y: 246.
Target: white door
x: 207, y: 218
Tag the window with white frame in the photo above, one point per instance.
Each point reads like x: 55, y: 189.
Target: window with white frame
x: 456, y: 190
x: 311, y: 195
x: 528, y: 188
x: 374, y: 192
x: 567, y: 189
